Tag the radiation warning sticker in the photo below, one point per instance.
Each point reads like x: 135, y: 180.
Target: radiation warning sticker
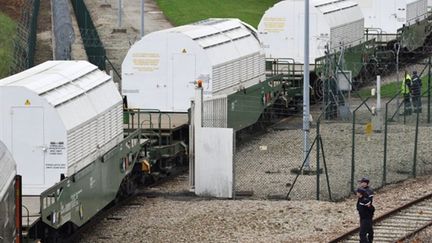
x: 27, y: 102
x: 184, y: 50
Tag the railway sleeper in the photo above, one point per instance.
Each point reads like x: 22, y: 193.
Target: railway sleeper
x: 411, y: 218
x: 392, y: 232
x: 390, y: 237
x: 395, y: 226
x: 398, y: 221
x: 416, y: 216
x: 420, y: 211
x: 377, y: 238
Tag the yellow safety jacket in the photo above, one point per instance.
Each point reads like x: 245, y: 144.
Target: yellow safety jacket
x: 404, y: 86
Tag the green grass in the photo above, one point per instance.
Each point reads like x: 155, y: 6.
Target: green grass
x: 391, y: 89
x: 180, y: 12
x: 7, y: 32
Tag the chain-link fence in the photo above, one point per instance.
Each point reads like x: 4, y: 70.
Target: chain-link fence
x: 25, y: 38
x: 7, y: 31
x: 387, y: 145
x: 408, y: 135
x: 266, y: 165
x: 92, y: 43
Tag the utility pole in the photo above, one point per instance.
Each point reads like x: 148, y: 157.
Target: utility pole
x: 306, y: 108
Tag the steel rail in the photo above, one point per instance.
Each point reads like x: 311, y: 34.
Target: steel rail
x: 389, y: 215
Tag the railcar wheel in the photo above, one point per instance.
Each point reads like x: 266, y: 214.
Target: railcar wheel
x: 318, y: 89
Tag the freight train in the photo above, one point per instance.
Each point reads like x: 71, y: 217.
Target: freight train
x: 63, y: 123
x: 160, y: 70
x: 252, y: 75
x: 358, y: 38
x: 78, y: 150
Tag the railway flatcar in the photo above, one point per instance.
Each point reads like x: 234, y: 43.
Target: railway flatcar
x: 402, y: 21
x: 58, y: 117
x: 334, y: 26
x: 335, y: 23
x: 63, y: 123
x: 350, y: 43
x: 160, y: 70
x: 389, y: 16
x: 8, y: 197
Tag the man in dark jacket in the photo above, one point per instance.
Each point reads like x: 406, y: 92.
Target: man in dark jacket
x: 364, y: 184
x: 366, y: 212
x: 416, y: 85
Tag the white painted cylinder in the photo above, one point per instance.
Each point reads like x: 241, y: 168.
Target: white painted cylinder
x: 57, y: 118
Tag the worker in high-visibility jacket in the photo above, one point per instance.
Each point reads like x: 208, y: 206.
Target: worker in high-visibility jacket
x: 406, y: 92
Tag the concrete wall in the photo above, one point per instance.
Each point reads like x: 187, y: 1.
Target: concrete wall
x: 214, y: 148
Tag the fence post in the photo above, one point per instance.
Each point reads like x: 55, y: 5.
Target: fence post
x: 353, y: 152
x: 318, y: 161
x: 384, y: 181
x: 415, y: 146
x: 429, y: 92
x: 192, y: 147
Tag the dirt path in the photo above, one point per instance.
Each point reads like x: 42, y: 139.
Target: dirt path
x: 117, y: 43
x: 43, y: 50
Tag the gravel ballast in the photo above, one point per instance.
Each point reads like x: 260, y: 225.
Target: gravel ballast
x: 171, y: 217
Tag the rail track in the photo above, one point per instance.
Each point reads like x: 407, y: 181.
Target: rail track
x: 399, y: 224
x: 116, y: 205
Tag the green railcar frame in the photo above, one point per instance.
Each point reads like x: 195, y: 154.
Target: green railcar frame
x: 79, y: 197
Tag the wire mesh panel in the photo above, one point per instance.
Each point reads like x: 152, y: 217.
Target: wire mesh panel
x: 400, y: 136
x: 367, y: 144
x: 8, y: 29
x: 336, y: 144
x: 408, y: 135
x: 215, y: 112
x: 423, y: 143
x: 93, y: 45
x: 423, y: 152
x: 266, y: 165
x: 25, y: 39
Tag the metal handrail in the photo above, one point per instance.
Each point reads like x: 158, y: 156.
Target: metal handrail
x: 160, y: 126
x: 28, y: 215
x: 113, y: 68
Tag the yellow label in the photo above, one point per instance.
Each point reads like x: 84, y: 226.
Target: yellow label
x: 184, y: 51
x: 274, y: 25
x: 146, y: 62
x: 368, y: 129
x: 27, y: 103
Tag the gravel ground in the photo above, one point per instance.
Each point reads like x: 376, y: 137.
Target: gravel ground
x: 424, y: 236
x: 117, y: 43
x: 170, y: 214
x: 264, y: 165
x: 43, y: 51
x: 167, y: 215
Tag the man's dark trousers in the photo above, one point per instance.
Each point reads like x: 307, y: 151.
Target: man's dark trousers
x: 366, y: 229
